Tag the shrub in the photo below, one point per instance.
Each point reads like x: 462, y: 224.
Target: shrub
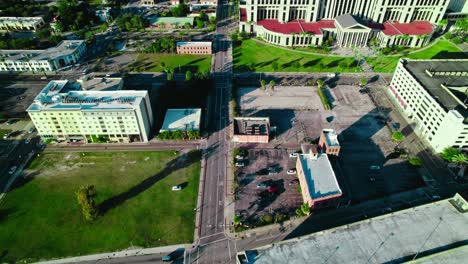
x: 85, y: 196
x: 415, y: 162
x: 457, y: 40
x: 324, y: 99
x: 266, y: 219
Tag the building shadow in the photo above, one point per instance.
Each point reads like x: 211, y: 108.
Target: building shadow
x: 180, y: 162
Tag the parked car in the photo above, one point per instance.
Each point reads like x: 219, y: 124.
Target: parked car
x: 293, y: 182
x: 31, y: 130
x: 7, y: 135
x: 372, y: 179
x: 375, y: 167
x: 291, y: 171
x: 293, y: 155
x: 85, y: 71
x: 27, y: 141
x: 12, y: 170
x: 167, y: 258
x: 240, y: 157
x: 176, y: 188
x: 262, y: 185
x: 240, y: 164
x: 10, y: 121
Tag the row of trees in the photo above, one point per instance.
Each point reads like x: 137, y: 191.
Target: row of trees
x: 162, y: 44
x: 179, y: 135
x: 131, y: 23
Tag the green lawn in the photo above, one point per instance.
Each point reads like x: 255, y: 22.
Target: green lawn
x: 179, y: 62
x: 253, y: 56
x: 441, y: 50
x: 40, y: 217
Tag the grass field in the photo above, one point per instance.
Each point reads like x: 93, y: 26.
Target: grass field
x: 40, y: 217
x: 3, y: 132
x: 253, y: 56
x: 179, y: 62
x: 441, y: 50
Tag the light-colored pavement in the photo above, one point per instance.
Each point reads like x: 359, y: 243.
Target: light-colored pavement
x: 122, y: 256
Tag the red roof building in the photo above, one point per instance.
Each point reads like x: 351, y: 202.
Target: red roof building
x: 418, y: 28
x: 296, y: 26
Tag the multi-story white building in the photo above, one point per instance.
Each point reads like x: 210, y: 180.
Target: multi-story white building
x: 64, y: 112
x: 21, y: 23
x: 433, y: 94
x: 309, y: 22
x: 66, y: 53
x: 457, y: 9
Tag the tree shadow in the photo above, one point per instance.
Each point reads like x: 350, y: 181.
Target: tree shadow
x: 450, y: 55
x: 311, y: 63
x: 180, y: 162
x: 334, y: 63
x: 289, y: 64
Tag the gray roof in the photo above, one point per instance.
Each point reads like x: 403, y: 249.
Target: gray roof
x: 346, y: 21
x: 319, y: 175
x: 390, y: 238
x: 182, y: 119
x: 331, y: 137
x: 251, y: 125
x: 64, y: 48
x: 440, y: 76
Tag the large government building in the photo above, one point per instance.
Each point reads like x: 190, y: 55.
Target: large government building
x: 433, y: 94
x: 64, y: 111
x: 352, y: 23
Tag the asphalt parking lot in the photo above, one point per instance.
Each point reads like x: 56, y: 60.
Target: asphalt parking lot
x: 16, y: 96
x: 365, y: 138
x: 254, y: 201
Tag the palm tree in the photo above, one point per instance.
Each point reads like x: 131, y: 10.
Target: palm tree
x: 461, y: 160
x: 398, y: 137
x: 362, y: 82
x: 262, y: 84
x: 272, y: 85
x: 448, y: 153
x: 320, y: 83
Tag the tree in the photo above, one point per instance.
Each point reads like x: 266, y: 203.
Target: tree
x: 180, y: 11
x: 457, y: 40
x: 266, y: 219
x: 235, y: 37
x: 320, y: 83
x: 461, y: 25
x: 448, y: 153
x: 170, y: 72
x: 443, y: 24
x: 296, y: 64
x: 362, y: 82
x: 274, y: 65
x: 262, y: 84
x: 188, y: 76
x: 415, y: 162
x: 461, y: 160
x: 85, y: 196
x: 244, y: 35
x: 398, y: 136
x: 43, y: 33
x: 236, y: 220
x: 272, y: 85
x: 303, y: 210
x: 200, y: 23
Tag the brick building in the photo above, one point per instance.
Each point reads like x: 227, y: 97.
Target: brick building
x: 328, y: 142
x: 194, y: 47
x: 251, y: 129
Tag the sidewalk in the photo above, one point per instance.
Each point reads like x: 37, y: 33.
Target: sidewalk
x: 118, y: 254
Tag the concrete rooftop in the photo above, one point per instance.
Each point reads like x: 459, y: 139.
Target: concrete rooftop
x: 394, y: 237
x: 182, y: 119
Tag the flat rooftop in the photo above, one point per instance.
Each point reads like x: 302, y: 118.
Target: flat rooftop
x: 20, y: 19
x: 180, y: 21
x: 62, y: 95
x: 251, y: 126
x: 394, y: 237
x: 194, y: 43
x: 452, y: 74
x: 64, y: 48
x: 182, y: 119
x: 331, y: 137
x: 319, y: 175
x: 101, y: 83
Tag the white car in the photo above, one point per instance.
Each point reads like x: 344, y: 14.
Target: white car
x: 291, y: 171
x: 12, y: 170
x: 240, y: 164
x: 177, y: 188
x: 293, y: 155
x: 239, y: 157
